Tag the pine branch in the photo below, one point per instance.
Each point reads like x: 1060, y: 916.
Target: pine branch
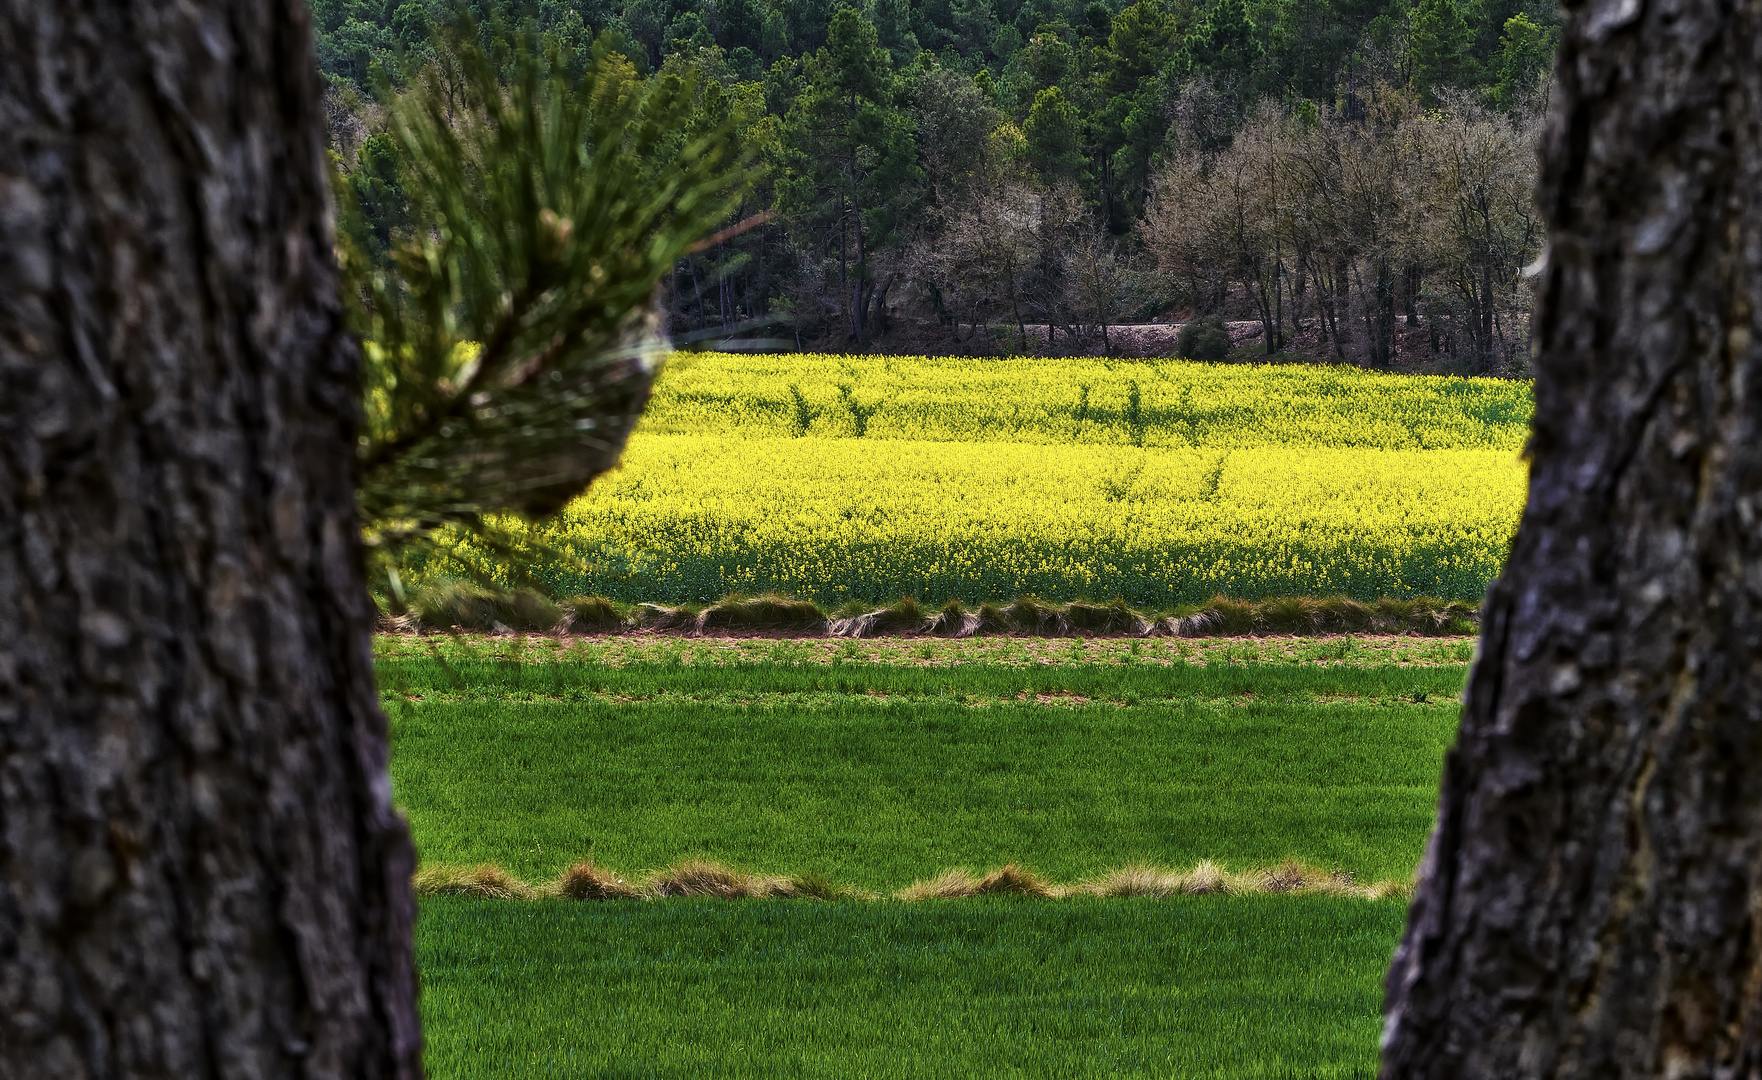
x: 510, y: 343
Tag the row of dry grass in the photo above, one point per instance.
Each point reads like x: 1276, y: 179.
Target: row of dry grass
x: 700, y: 877
x: 454, y: 606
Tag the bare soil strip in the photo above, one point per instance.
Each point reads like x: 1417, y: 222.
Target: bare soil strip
x: 1353, y: 650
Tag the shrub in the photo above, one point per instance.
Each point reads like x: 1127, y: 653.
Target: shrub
x: 1205, y: 338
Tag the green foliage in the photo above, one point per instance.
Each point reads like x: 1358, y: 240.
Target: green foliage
x: 953, y: 116
x: 1227, y: 42
x: 1205, y: 338
x: 1055, y: 136
x: 893, y: 28
x: 1525, y: 52
x: 1440, y: 44
x: 687, y: 33
x: 849, y: 163
x: 508, y: 341
x: 860, y: 191
x: 1046, y: 61
x: 1142, y: 38
x: 375, y: 185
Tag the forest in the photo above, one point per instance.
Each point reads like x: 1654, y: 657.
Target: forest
x: 1344, y: 180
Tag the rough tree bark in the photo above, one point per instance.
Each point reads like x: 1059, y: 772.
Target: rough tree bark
x: 1590, y: 903
x: 201, y: 874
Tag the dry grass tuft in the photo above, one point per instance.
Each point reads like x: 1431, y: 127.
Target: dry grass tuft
x: 1111, y: 620
x: 1388, y: 890
x: 1157, y: 883
x: 454, y: 605
x: 856, y: 626
x: 1204, y: 623
x: 459, y: 606
x: 815, y: 887
x: 905, y: 617
x: 761, y: 613
x: 1206, y: 879
x: 992, y: 619
x: 949, y: 885
x: 1013, y: 880
x: 1133, y: 879
x: 953, y: 621
x: 1309, y: 615
x: 1290, y: 876
x: 591, y: 615
x: 585, y: 881
x: 1008, y: 880
x: 1426, y: 616
x: 661, y: 618
x: 701, y: 877
x: 1034, y: 616
x: 486, y: 882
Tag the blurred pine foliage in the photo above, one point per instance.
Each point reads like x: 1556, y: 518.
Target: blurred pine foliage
x: 509, y: 337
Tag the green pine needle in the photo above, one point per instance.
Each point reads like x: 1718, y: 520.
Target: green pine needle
x: 511, y: 341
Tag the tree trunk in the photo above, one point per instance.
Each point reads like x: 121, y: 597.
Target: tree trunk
x: 1590, y: 903
x: 1384, y: 328
x: 1486, y: 313
x: 879, y: 299
x: 201, y: 874
x: 1298, y: 296
x: 1278, y: 297
x: 1340, y: 302
x: 1255, y: 285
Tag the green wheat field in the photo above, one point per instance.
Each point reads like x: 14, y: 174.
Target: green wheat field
x: 868, y: 766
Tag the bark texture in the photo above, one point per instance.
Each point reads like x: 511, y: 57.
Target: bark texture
x: 1589, y: 903
x: 201, y: 874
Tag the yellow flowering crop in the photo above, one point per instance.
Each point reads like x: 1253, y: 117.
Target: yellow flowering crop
x: 1084, y: 401
x: 977, y: 480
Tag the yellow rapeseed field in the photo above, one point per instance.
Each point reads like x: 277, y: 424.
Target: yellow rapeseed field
x: 1176, y: 403
x: 868, y: 478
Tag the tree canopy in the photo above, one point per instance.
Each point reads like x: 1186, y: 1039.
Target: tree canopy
x: 1092, y: 104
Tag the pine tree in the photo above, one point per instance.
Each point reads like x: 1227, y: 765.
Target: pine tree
x: 1439, y: 48
x: 1055, y: 136
x: 1525, y: 51
x: 850, y: 165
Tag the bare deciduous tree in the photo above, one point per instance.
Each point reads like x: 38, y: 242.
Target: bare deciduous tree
x: 1341, y: 220
x: 1474, y: 181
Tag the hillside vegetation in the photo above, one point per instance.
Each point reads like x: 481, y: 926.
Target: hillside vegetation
x: 942, y: 174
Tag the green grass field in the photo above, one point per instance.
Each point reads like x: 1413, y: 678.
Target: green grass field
x: 1193, y: 987
x: 874, y: 764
